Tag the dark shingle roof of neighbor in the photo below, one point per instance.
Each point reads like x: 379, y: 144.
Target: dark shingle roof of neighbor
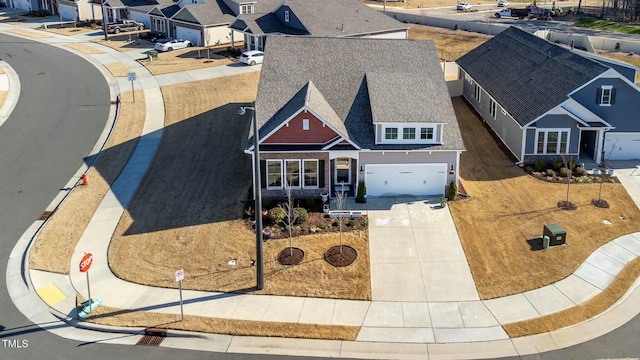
x: 347, y: 73
x: 211, y: 12
x: 527, y: 75
x: 326, y: 18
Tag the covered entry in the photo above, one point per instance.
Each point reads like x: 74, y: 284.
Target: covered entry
x: 405, y: 179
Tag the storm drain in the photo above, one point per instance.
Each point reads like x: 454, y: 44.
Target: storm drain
x: 45, y: 215
x: 152, y: 337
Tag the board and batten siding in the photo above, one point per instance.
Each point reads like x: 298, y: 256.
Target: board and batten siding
x: 503, y: 125
x: 412, y: 157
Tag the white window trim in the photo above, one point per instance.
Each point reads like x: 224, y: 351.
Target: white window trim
x: 477, y: 92
x: 545, y: 134
x: 384, y: 133
x: 433, y: 133
x: 492, y: 108
x: 317, y: 174
x: 414, y: 133
x: 305, y: 124
x: 286, y: 173
x: 335, y: 173
x: 602, y: 90
x: 281, y: 171
x: 286, y: 16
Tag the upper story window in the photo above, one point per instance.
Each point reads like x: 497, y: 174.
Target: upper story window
x: 408, y: 134
x: 606, y: 95
x: 286, y: 16
x: 391, y: 133
x: 246, y: 9
x: 305, y: 124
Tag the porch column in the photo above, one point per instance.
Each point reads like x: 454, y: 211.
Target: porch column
x: 232, y: 40
x: 599, y: 146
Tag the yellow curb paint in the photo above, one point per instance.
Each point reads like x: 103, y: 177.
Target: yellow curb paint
x: 51, y: 294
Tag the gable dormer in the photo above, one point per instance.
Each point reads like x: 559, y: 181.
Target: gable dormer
x: 287, y: 17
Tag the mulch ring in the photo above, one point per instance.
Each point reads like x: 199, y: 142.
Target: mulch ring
x: 290, y: 256
x: 342, y: 258
x: 600, y: 203
x: 567, y: 205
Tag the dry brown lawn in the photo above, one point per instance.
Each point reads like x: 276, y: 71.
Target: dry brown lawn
x: 415, y: 4
x: 184, y: 59
x: 118, y: 69
x: 54, y: 246
x: 633, y: 59
x: 451, y: 44
x: 186, y: 213
x: 84, y: 48
x: 116, y: 317
x: 69, y: 30
x: 507, y: 210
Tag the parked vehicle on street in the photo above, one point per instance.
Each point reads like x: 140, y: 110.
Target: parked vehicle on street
x: 252, y: 57
x: 463, y: 6
x: 123, y: 26
x: 503, y: 3
x: 172, y: 44
x: 510, y: 12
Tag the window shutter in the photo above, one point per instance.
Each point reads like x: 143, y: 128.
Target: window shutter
x: 321, y: 173
x: 598, y: 96
x: 263, y: 174
x: 613, y: 96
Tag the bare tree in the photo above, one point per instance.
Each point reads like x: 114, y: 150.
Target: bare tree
x: 605, y: 165
x: 340, y: 205
x: 569, y: 164
x: 290, y: 213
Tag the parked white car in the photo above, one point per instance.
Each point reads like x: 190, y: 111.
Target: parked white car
x: 503, y: 3
x: 173, y: 44
x: 463, y: 6
x: 252, y: 57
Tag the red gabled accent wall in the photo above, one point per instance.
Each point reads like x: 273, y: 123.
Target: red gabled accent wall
x: 293, y: 134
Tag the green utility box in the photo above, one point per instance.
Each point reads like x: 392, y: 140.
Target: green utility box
x: 557, y: 235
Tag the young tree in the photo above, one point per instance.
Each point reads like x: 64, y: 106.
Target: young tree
x: 605, y: 165
x: 340, y: 205
x: 569, y: 164
x: 291, y: 215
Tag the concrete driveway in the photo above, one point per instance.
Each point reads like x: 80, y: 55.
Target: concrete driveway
x: 416, y: 254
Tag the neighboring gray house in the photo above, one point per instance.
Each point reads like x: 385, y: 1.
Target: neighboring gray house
x: 332, y: 18
x: 204, y: 24
x: 333, y: 111
x: 543, y: 100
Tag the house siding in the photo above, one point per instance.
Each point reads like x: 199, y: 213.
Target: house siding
x: 413, y: 157
x: 554, y: 122
x: 298, y: 193
x: 504, y: 126
x: 623, y: 114
x: 294, y: 134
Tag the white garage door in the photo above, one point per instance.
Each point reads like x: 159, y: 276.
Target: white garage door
x: 68, y: 12
x: 189, y: 34
x: 405, y: 179
x: 624, y: 146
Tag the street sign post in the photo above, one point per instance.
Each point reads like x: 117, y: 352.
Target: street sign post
x: 85, y: 264
x: 179, y: 278
x: 132, y: 77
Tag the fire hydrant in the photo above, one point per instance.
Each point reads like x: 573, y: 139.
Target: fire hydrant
x: 84, y: 179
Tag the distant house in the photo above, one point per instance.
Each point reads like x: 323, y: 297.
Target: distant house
x: 333, y: 111
x: 543, y: 100
x: 328, y: 18
x: 79, y: 10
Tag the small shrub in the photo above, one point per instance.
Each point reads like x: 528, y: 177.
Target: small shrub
x: 287, y: 227
x: 560, y: 178
x: 580, y: 171
x: 352, y: 223
x: 557, y: 165
x: 456, y: 27
x: 529, y: 169
x: 362, y: 192
x: 322, y: 226
x: 453, y: 190
x: 365, y: 222
x: 618, y: 46
x: 335, y: 223
x: 564, y: 172
x: 303, y: 215
x: 550, y: 173
x: 540, y: 165
x: 549, y: 178
x: 276, y: 215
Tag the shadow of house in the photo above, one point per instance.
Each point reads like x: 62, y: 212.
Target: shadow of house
x: 199, y: 173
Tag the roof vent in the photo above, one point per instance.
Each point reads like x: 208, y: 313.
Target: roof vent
x: 342, y: 27
x: 549, y: 53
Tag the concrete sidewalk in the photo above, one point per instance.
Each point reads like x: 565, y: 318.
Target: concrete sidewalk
x: 424, y: 305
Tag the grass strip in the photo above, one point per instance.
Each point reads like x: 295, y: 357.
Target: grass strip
x: 605, y: 25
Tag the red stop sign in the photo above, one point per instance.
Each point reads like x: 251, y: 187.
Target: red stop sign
x: 86, y: 261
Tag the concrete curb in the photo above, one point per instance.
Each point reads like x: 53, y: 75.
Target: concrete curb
x: 13, y: 85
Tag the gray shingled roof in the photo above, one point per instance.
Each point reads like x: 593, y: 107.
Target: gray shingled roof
x: 334, y: 18
x: 211, y: 12
x: 340, y: 69
x: 527, y: 75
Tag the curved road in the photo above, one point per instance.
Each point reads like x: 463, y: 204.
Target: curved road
x: 61, y: 112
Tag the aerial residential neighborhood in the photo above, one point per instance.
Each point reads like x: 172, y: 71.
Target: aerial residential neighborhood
x: 340, y: 178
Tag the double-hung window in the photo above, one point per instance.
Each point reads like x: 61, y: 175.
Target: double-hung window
x: 408, y: 133
x: 310, y: 174
x: 292, y: 168
x: 246, y: 9
x: 606, y: 95
x: 274, y: 174
x: 552, y: 141
x: 476, y: 91
x: 391, y: 133
x: 492, y: 108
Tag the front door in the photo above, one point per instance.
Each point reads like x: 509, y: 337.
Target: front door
x: 342, y: 171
